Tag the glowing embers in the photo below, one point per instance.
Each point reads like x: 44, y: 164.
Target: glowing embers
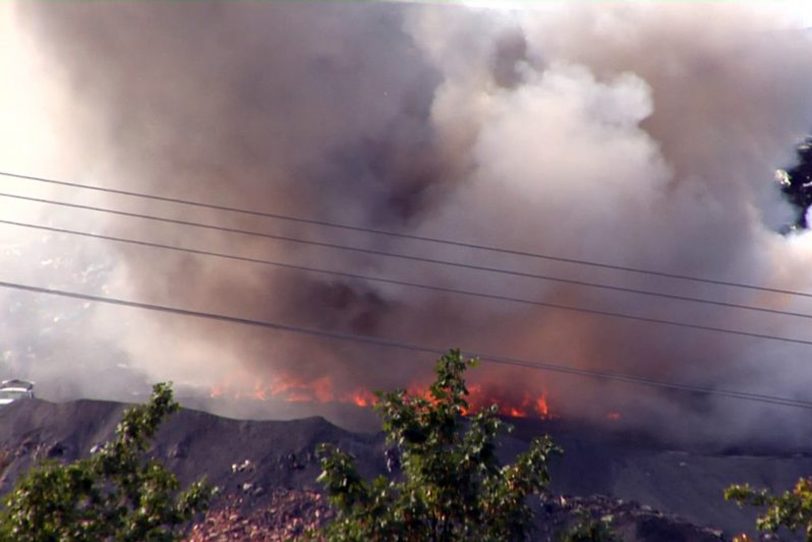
x: 528, y: 406
x: 364, y: 398
x: 479, y: 398
x: 322, y: 390
x: 319, y: 390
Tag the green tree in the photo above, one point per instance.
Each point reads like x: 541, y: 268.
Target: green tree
x: 116, y: 494
x: 452, y: 487
x: 589, y: 529
x: 796, y: 183
x: 792, y: 509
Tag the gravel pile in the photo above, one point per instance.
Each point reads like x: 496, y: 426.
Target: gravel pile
x: 290, y: 514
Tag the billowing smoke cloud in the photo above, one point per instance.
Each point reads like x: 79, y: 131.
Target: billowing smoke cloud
x: 638, y: 135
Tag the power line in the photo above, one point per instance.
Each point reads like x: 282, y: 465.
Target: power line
x: 388, y: 343
x: 413, y: 237
x: 429, y: 287
x: 420, y: 259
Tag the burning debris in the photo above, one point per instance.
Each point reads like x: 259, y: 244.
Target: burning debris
x: 320, y: 392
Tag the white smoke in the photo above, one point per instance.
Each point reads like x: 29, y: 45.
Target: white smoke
x: 639, y: 135
x: 636, y: 135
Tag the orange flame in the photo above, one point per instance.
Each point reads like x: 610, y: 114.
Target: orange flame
x: 542, y: 408
x: 537, y: 407
x: 363, y: 398
x: 321, y: 390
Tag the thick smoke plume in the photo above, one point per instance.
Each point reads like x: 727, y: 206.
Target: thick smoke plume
x: 640, y: 135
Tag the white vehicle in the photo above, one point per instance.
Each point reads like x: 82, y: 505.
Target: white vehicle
x: 13, y: 390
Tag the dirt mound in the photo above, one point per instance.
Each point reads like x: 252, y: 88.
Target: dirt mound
x: 264, y: 465
x: 245, y: 458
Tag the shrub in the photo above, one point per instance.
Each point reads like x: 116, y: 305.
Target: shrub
x: 451, y: 485
x: 117, y: 493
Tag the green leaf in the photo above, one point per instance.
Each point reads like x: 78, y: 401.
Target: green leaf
x: 451, y: 485
x: 115, y: 494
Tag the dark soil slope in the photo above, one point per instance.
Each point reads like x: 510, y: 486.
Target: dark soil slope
x: 253, y: 460
x: 250, y: 457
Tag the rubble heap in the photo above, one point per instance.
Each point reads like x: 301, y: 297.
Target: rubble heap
x: 290, y: 514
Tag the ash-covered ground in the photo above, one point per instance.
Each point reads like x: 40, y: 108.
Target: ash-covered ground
x: 655, y: 490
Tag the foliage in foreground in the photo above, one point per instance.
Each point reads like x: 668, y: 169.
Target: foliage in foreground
x: 115, y: 494
x: 589, y: 529
x: 792, y: 509
x: 452, y: 487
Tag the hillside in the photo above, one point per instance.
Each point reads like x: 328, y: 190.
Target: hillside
x: 272, y: 464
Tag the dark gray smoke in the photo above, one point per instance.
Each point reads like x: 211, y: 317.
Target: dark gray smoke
x: 639, y: 135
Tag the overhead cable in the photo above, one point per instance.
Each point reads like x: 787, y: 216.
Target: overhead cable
x: 395, y: 344
x: 407, y: 236
x: 443, y: 289
x: 408, y: 257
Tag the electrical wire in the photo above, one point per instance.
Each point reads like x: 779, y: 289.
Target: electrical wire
x: 388, y: 343
x: 420, y: 259
x: 443, y: 289
x: 413, y: 237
